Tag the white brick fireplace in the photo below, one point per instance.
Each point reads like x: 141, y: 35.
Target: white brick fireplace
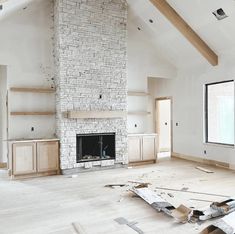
x: 90, y: 57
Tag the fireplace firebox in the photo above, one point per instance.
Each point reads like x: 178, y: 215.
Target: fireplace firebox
x: 95, y: 147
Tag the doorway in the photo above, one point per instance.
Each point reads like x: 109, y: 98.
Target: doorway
x: 164, y: 126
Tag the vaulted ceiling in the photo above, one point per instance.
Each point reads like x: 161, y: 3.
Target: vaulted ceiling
x: 219, y: 35
x: 167, y: 40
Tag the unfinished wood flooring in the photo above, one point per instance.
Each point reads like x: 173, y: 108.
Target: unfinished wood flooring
x: 65, y: 205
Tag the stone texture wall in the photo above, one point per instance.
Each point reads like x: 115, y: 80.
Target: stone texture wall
x: 90, y: 57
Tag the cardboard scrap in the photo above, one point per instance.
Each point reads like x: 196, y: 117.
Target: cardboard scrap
x: 216, y: 209
x: 225, y: 225
x: 180, y: 214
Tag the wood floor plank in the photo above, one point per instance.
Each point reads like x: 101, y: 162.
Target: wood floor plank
x: 50, y: 205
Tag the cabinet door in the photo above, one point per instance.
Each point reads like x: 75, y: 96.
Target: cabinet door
x: 134, y: 149
x: 149, y: 148
x: 24, y: 158
x: 47, y: 156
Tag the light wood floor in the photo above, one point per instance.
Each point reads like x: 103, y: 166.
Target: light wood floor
x: 57, y: 204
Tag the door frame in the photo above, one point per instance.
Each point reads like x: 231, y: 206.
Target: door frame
x: 6, y: 118
x: 157, y: 116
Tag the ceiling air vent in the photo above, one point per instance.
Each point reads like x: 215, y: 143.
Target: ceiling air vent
x: 220, y: 14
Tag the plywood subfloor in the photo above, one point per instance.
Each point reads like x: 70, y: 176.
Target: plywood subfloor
x: 57, y: 204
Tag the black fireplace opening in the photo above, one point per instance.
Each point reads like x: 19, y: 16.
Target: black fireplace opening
x: 95, y: 147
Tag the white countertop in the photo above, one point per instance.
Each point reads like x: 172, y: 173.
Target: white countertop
x: 33, y: 140
x: 142, y: 134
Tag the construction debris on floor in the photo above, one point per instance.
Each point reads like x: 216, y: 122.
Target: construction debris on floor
x: 180, y: 213
x: 114, y: 185
x: 132, y: 225
x: 183, y: 214
x: 225, y: 225
x: 204, y: 169
x: 216, y: 209
x: 162, y: 200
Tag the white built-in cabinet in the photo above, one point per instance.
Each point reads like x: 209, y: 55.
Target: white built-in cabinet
x: 33, y: 158
x: 142, y: 147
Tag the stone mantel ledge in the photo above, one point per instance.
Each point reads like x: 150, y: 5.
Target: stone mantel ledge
x: 95, y: 114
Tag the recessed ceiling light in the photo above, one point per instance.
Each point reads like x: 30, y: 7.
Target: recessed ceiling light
x: 220, y: 14
x: 151, y: 21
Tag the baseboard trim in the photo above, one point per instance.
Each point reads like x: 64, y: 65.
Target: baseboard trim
x: 186, y: 157
x: 204, y: 161
x: 140, y: 163
x: 34, y: 175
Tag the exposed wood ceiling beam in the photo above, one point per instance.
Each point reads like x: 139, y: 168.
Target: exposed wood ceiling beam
x: 186, y: 30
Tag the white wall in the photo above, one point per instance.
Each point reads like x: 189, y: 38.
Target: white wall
x: 3, y: 114
x: 143, y: 62
x: 26, y: 45
x: 187, y: 91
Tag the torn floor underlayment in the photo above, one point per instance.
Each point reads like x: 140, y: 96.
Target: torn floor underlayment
x: 216, y: 209
x: 180, y: 214
x: 225, y: 225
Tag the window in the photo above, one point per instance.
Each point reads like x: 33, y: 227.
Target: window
x: 220, y: 113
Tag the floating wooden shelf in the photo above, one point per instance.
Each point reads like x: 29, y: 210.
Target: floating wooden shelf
x: 32, y: 90
x: 33, y: 113
x: 95, y: 114
x: 136, y: 93
x: 139, y: 113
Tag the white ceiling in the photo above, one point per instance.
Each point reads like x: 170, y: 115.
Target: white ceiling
x: 219, y: 35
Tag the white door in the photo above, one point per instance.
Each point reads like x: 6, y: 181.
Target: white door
x: 163, y: 124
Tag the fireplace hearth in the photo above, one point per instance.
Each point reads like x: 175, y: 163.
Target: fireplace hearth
x: 95, y: 147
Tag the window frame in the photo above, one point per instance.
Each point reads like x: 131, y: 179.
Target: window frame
x: 206, y: 113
